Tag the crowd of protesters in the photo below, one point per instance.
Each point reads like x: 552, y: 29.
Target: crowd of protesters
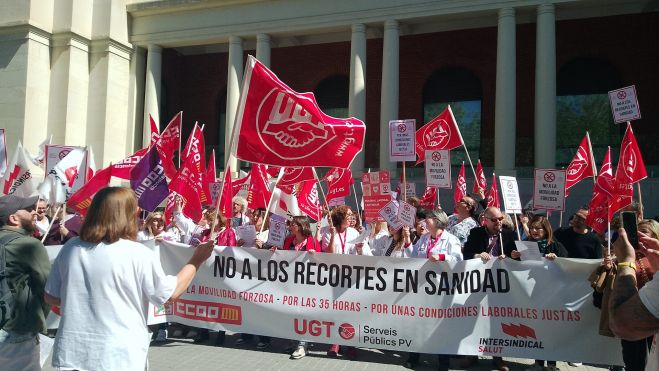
x: 100, y: 243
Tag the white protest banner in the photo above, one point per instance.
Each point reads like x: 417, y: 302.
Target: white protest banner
x: 277, y: 231
x: 407, y: 214
x: 438, y: 168
x: 390, y: 213
x: 549, y: 189
x: 624, y: 104
x: 510, y: 195
x: 489, y: 309
x: 376, y: 188
x: 402, y: 140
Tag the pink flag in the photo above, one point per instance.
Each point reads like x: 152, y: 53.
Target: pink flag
x: 598, y: 209
x: 581, y: 166
x: 480, y: 184
x: 442, y: 132
x: 188, y: 181
x: 307, y: 199
x: 294, y: 175
x: 493, y: 195
x: 338, y: 183
x: 155, y: 133
x: 170, y: 142
x: 429, y: 197
x: 226, y: 202
x: 258, y: 194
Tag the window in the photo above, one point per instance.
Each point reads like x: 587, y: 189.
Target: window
x: 461, y: 89
x: 582, y: 104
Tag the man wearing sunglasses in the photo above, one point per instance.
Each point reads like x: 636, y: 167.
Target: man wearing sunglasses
x: 487, y: 242
x: 27, y: 267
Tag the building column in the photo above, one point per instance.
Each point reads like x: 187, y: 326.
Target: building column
x: 357, y: 92
x: 234, y: 82
x: 135, y: 101
x: 545, y: 88
x: 389, y: 92
x: 504, y: 115
x: 263, y: 49
x: 152, y: 90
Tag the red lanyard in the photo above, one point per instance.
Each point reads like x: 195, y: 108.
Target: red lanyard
x: 432, y: 243
x: 343, y: 241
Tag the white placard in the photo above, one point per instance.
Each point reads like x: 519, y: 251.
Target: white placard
x: 549, y: 189
x: 438, y: 168
x: 55, y: 153
x: 407, y: 214
x: 3, y: 152
x: 528, y: 250
x: 510, y: 195
x: 390, y: 215
x: 246, y: 233
x: 624, y: 104
x: 215, y: 188
x: 402, y: 140
x: 277, y: 232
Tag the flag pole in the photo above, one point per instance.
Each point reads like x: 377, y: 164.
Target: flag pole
x: 519, y: 236
x: 267, y: 209
x: 592, y: 158
x: 640, y: 196
x: 313, y: 168
x: 560, y: 220
x: 608, y: 227
x: 354, y: 192
x: 464, y: 145
x: 437, y: 192
x: 404, y: 184
x: 180, y: 130
x: 50, y: 225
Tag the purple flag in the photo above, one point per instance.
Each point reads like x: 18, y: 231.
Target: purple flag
x: 148, y: 181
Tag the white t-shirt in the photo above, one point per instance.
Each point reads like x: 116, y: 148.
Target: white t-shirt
x: 446, y: 244
x: 649, y: 295
x: 43, y: 225
x: 105, y: 290
x: 341, y: 241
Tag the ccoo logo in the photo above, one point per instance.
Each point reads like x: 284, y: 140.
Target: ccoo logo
x: 286, y: 128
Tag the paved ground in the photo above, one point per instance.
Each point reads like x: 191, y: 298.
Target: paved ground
x: 184, y: 355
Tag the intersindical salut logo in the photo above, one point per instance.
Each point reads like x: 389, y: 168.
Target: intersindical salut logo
x: 513, y: 336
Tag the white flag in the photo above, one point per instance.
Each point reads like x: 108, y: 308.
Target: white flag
x: 40, y: 159
x: 3, y: 152
x: 284, y: 203
x: 18, y: 179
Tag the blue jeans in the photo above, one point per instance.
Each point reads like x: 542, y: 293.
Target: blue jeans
x: 19, y: 351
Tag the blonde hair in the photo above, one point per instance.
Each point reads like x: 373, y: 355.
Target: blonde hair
x: 149, y: 219
x: 652, y: 225
x: 111, y: 216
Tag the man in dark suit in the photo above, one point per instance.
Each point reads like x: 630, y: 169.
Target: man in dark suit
x: 487, y: 242
x: 490, y: 240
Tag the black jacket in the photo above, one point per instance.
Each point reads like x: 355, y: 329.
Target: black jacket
x: 478, y: 241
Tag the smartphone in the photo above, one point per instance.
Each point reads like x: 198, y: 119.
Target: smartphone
x: 628, y: 221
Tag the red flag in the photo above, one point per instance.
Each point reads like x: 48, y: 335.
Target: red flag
x: 169, y: 208
x: 273, y: 171
x: 258, y: 194
x: 442, y: 132
x: 581, y: 166
x: 209, y: 177
x: 428, y: 198
x: 598, y: 209
x: 294, y: 175
x: 631, y: 168
x: 307, y: 199
x: 188, y: 181
x: 81, y: 200
x: 226, y: 202
x: 493, y: 195
x: 123, y: 168
x: 155, y: 134
x: 338, y: 183
x: 460, y: 187
x: 480, y: 183
x: 281, y: 127
x: 170, y: 142
x: 237, y: 184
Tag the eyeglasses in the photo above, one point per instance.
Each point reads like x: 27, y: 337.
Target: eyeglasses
x: 494, y: 220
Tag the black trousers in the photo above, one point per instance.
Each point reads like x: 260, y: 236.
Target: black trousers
x: 635, y: 353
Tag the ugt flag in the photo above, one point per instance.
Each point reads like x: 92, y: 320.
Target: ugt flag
x: 279, y: 126
x: 148, y: 181
x: 442, y: 132
x: 581, y: 166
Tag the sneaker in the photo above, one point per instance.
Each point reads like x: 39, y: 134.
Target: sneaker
x: 300, y: 352
x: 262, y: 345
x: 535, y: 367
x: 240, y: 341
x: 162, y: 336
x: 575, y: 364
x: 200, y: 337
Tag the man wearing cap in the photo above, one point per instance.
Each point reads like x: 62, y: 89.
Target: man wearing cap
x: 578, y: 240
x: 25, y: 256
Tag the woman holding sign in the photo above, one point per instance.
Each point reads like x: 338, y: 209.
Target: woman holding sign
x: 540, y: 231
x: 397, y: 244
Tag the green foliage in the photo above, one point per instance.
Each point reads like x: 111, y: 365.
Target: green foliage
x: 468, y: 116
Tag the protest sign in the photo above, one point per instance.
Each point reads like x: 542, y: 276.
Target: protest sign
x: 376, y: 188
x: 401, y: 140
x: 438, y: 168
x: 336, y: 202
x: 624, y: 104
x: 246, y: 233
x: 390, y: 213
x: 549, y: 189
x: 278, y: 231
x: 407, y: 214
x: 510, y: 194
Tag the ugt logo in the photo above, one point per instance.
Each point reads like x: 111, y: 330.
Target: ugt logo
x: 287, y: 129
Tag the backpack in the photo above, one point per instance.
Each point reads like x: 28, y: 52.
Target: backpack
x: 7, y: 291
